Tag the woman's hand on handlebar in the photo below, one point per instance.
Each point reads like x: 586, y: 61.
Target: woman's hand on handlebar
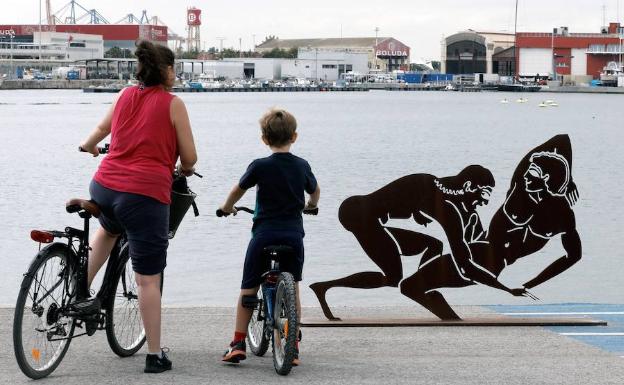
x: 94, y: 150
x: 184, y: 171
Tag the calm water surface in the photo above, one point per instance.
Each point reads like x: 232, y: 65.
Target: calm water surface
x: 356, y: 143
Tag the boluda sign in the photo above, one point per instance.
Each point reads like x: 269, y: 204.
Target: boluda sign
x: 391, y: 47
x: 7, y: 32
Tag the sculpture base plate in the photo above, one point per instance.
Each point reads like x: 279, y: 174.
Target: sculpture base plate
x: 495, y: 321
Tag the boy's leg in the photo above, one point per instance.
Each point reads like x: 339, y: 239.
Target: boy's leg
x: 296, y: 360
x: 237, y: 350
x: 243, y: 314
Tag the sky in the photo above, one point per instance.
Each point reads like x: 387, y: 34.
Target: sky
x: 419, y: 24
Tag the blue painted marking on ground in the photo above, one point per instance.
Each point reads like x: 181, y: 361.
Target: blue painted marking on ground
x: 615, y: 322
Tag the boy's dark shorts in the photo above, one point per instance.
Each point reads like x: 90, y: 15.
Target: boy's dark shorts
x: 256, y: 264
x: 144, y: 220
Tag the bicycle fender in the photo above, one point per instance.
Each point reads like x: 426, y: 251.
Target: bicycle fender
x: 52, y: 247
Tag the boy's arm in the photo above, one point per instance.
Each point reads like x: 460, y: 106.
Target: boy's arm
x: 234, y: 196
x: 314, y: 198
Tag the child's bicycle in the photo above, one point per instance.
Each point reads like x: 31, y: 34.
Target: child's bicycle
x: 274, y: 317
x: 54, y: 301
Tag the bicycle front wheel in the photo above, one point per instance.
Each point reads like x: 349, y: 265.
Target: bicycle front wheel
x: 286, y: 324
x: 41, y: 333
x: 256, y: 330
x: 124, y: 325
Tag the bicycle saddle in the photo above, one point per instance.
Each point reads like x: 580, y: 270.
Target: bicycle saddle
x: 279, y: 251
x: 75, y: 205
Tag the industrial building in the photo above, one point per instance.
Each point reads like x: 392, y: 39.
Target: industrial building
x: 320, y: 66
x: 113, y: 35
x: 569, y: 54
x: 545, y: 54
x: 384, y: 54
x: 470, y: 52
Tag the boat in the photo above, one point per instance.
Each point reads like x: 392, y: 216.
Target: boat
x: 543, y: 104
x: 519, y: 87
x: 610, y: 73
x: 522, y: 100
x: 504, y: 101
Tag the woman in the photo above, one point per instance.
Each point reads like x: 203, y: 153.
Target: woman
x: 149, y: 129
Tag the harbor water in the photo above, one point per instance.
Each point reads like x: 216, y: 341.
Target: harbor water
x: 356, y: 143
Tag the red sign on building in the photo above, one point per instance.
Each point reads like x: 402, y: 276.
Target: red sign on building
x: 392, y: 48
x: 193, y: 17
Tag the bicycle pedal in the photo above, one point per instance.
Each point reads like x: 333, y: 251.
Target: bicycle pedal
x: 91, y: 327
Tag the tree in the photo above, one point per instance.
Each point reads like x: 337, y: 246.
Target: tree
x: 269, y: 38
x: 188, y: 54
x: 282, y: 53
x: 117, y: 52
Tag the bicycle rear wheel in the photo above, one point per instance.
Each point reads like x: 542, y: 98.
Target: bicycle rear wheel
x: 286, y: 324
x: 124, y: 325
x: 41, y: 334
x: 256, y: 330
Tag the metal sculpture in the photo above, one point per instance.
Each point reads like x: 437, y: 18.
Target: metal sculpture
x: 538, y: 207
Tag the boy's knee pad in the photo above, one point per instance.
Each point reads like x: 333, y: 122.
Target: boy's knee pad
x: 250, y: 301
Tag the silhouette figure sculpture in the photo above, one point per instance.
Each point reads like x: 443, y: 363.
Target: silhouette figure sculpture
x: 536, y: 209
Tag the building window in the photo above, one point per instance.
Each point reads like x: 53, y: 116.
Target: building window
x: 329, y: 66
x: 78, y: 45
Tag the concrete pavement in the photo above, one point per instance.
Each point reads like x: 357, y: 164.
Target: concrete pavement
x: 399, y: 355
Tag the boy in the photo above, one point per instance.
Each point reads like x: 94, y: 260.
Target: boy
x: 281, y: 180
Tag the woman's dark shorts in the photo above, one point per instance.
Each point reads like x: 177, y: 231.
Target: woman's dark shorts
x: 144, y: 220
x: 256, y: 264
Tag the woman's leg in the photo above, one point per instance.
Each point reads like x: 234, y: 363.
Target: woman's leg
x: 149, y: 305
x: 101, y: 246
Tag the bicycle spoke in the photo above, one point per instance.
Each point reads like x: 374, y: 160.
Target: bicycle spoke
x: 126, y: 331
x: 41, y: 320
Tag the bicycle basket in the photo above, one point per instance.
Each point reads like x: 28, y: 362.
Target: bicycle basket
x: 181, y: 199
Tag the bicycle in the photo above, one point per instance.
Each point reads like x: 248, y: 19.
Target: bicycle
x: 54, y: 298
x: 274, y: 318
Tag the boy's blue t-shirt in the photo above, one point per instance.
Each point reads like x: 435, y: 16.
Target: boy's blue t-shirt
x: 281, y: 180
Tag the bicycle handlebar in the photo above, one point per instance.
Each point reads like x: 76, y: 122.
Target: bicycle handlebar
x: 101, y: 150
x: 221, y: 213
x: 105, y: 149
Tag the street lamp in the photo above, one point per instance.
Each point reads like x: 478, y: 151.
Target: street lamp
x: 11, y: 57
x: 375, y: 49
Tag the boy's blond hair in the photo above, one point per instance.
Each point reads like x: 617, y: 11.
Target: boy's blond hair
x: 278, y: 127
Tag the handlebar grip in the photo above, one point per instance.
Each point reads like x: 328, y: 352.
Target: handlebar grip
x: 104, y: 150
x: 313, y: 211
x: 221, y: 213
x: 101, y: 150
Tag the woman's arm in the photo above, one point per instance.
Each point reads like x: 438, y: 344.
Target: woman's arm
x: 102, y: 130
x: 184, y: 135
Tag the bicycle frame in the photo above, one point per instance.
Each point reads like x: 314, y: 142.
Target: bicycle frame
x: 268, y: 292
